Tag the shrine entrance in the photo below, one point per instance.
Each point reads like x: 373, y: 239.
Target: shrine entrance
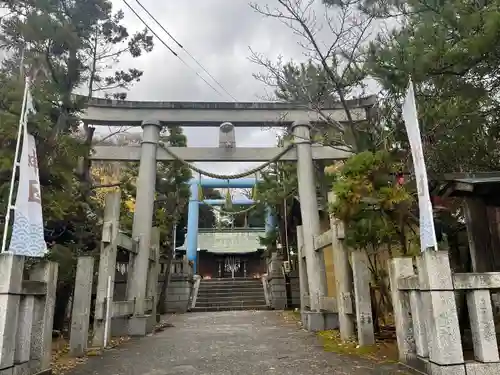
x: 233, y: 267
x: 153, y: 116
x: 230, y: 253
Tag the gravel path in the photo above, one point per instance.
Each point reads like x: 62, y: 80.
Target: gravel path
x: 229, y: 343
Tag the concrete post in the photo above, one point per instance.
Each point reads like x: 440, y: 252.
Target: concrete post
x: 143, y: 220
x: 482, y: 324
x: 398, y: 268
x: 445, y: 344
x: 107, y: 263
x: 11, y: 271
x: 277, y: 285
x: 154, y: 270
x: 419, y: 302
x: 43, y: 318
x: 343, y: 279
x: 192, y: 225
x: 302, y: 273
x: 309, y: 213
x: 364, y: 318
x: 24, y: 330
x: 80, y: 316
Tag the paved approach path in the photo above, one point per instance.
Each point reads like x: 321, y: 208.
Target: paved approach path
x: 229, y: 343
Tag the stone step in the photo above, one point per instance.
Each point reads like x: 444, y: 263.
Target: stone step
x: 223, y: 297
x: 231, y: 290
x: 230, y: 303
x: 236, y: 279
x: 230, y: 281
x: 230, y: 294
x: 229, y: 285
x: 204, y: 299
x: 228, y: 308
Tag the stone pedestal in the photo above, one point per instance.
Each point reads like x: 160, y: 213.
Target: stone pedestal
x: 278, y: 293
x: 178, y: 293
x: 315, y: 321
x: 294, y: 288
x: 276, y: 281
x: 119, y: 326
x: 138, y: 325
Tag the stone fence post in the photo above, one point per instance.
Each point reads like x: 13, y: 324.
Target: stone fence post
x: 362, y: 296
x: 153, y: 272
x: 43, y: 320
x: 26, y: 315
x: 442, y: 328
x: 11, y: 270
x: 82, y: 296
x: 107, y: 264
x: 343, y: 279
x: 277, y: 284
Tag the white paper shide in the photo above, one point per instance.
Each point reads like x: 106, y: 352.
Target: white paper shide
x: 427, y: 231
x: 27, y: 232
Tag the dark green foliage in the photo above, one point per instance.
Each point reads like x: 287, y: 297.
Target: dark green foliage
x: 53, y: 42
x: 450, y: 49
x: 171, y: 186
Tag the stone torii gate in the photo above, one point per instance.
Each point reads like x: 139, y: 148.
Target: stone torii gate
x: 152, y: 116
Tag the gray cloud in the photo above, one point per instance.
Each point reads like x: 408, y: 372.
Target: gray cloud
x: 219, y: 34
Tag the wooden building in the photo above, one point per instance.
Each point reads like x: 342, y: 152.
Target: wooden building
x: 230, y: 253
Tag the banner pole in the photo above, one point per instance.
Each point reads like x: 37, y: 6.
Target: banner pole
x: 16, y: 164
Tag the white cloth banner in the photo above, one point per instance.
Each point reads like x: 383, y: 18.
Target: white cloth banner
x: 427, y: 231
x: 27, y: 232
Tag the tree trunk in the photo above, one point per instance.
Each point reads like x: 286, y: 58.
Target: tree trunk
x: 161, y: 306
x: 63, y: 294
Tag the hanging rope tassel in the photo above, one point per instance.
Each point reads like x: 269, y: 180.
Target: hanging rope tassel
x: 201, y: 198
x: 255, y: 193
x: 229, y: 202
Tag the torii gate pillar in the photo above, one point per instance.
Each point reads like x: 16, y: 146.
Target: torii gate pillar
x: 143, y: 222
x: 309, y: 212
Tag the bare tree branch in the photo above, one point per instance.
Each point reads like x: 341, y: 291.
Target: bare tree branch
x: 339, y: 59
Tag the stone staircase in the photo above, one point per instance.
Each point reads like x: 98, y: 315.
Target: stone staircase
x: 230, y: 294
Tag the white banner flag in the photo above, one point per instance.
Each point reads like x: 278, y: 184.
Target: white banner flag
x: 427, y: 231
x: 27, y: 232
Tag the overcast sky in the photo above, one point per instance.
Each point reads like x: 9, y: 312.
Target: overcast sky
x: 219, y: 33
